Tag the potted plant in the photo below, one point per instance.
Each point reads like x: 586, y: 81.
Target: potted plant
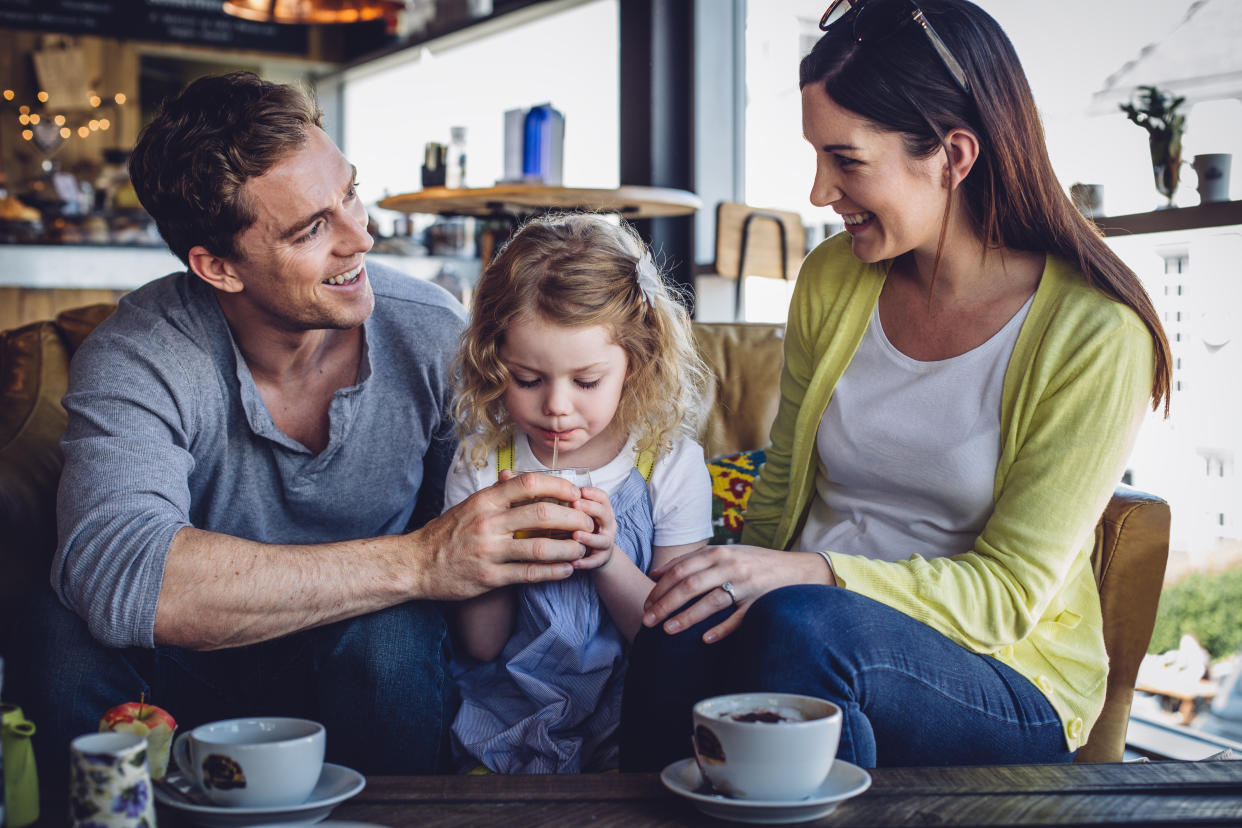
x: 1157, y: 113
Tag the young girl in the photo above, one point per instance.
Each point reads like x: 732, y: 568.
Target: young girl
x: 578, y: 356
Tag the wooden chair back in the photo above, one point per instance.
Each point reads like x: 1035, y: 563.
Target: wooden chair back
x: 757, y: 241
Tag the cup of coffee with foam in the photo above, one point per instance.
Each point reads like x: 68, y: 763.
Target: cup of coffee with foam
x: 766, y: 746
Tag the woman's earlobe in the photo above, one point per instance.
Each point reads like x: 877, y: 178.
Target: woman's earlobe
x: 962, y: 150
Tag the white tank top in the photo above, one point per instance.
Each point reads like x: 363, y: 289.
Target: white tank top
x: 908, y: 450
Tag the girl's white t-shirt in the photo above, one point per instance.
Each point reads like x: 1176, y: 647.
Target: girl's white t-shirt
x: 680, y: 485
x: 908, y: 450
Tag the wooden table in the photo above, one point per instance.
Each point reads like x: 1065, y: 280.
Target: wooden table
x: 1186, y: 693
x: 518, y: 200
x: 1156, y: 793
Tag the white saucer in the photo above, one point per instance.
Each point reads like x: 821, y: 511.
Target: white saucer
x: 844, y: 781
x: 336, y: 784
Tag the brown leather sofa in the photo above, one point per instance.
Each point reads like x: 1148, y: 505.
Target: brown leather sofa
x: 34, y: 363
x: 1132, y: 537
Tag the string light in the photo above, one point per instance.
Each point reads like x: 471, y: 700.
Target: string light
x: 26, y: 118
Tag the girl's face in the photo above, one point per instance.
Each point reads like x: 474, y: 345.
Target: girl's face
x: 890, y: 203
x: 566, y: 384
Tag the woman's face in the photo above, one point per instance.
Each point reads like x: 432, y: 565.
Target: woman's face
x: 890, y: 203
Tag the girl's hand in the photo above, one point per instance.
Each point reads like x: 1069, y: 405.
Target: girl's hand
x: 751, y: 570
x: 600, y: 543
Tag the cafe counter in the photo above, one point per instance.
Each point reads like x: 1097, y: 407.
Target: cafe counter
x: 37, y: 281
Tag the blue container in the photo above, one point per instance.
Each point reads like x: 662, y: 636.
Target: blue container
x: 535, y: 143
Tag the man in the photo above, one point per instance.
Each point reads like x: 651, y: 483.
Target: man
x: 255, y: 459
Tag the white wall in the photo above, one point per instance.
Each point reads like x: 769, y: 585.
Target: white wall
x: 568, y: 58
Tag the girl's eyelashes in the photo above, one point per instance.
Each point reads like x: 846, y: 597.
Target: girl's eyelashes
x: 532, y: 383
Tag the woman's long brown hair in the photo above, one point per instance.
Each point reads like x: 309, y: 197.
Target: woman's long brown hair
x: 1012, y: 194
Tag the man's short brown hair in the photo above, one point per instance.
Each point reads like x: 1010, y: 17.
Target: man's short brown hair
x: 204, y: 144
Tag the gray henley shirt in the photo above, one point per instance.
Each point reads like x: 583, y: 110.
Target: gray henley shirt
x: 167, y: 429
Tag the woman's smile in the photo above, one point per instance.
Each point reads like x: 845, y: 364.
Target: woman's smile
x: 857, y: 222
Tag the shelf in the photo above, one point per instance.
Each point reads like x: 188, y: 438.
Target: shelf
x: 107, y: 267
x: 1216, y: 214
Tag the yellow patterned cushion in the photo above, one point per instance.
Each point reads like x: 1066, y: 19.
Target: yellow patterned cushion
x: 732, y: 478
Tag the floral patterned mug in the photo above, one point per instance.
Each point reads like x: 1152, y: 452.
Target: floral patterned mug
x: 110, y: 782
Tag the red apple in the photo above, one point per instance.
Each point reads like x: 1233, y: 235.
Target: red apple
x: 146, y: 720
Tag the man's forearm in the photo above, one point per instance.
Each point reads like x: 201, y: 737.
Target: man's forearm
x: 221, y: 591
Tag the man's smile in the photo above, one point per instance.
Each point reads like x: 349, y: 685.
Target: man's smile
x: 346, y: 278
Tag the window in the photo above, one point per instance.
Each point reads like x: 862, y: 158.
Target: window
x: 1069, y: 52
x: 393, y: 108
x: 1080, y: 59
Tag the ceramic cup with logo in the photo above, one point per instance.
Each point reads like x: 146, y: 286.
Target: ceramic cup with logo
x: 766, y: 746
x: 1213, y: 171
x: 256, y: 762
x: 109, y: 781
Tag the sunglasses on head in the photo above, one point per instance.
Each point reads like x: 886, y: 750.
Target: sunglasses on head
x: 877, y: 19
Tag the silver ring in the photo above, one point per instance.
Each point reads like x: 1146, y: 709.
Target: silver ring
x: 727, y: 586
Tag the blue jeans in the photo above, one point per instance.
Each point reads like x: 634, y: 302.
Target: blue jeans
x: 910, y: 696
x: 378, y: 682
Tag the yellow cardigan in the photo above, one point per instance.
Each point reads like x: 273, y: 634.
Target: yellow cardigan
x: 1075, y: 392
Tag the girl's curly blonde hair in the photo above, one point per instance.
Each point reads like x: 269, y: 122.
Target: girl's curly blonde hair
x: 579, y: 270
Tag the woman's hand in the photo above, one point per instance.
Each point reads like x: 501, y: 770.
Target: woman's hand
x: 601, y: 543
x: 750, y: 570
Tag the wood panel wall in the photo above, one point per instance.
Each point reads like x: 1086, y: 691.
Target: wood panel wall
x: 19, y: 305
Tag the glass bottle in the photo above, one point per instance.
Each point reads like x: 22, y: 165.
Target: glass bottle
x: 456, y: 174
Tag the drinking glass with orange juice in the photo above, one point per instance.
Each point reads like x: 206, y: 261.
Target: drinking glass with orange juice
x: 580, y: 477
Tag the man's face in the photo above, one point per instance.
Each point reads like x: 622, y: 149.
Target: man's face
x: 301, y: 261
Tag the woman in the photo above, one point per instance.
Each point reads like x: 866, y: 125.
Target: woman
x: 965, y: 372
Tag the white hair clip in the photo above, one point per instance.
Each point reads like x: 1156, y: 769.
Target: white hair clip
x: 648, y: 278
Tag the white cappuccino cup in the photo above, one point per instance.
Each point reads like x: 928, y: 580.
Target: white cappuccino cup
x: 255, y: 762
x: 766, y: 746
